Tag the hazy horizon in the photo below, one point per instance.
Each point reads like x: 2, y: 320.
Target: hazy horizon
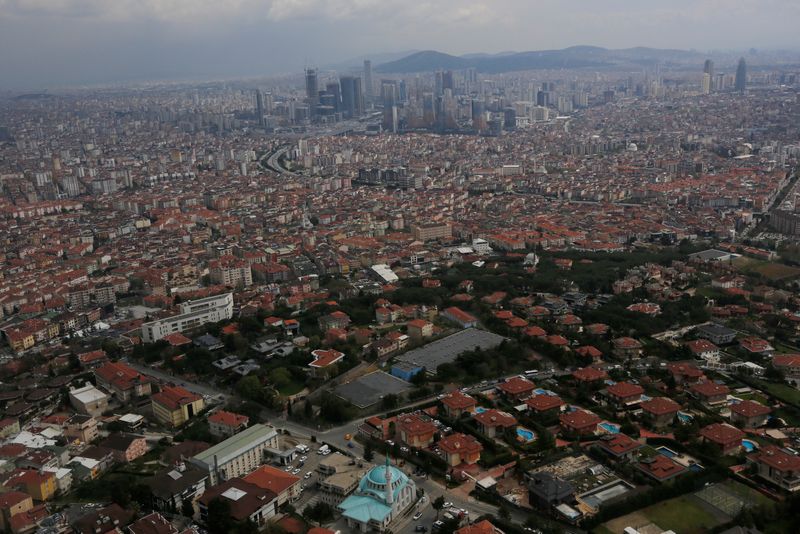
x: 51, y: 43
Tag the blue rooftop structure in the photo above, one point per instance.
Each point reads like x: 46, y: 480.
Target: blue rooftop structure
x: 382, y: 493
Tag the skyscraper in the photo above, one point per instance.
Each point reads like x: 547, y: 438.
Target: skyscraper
x: 352, y: 97
x: 369, y: 90
x: 333, y: 88
x: 708, y: 76
x: 259, y: 107
x: 312, y: 89
x: 740, y: 83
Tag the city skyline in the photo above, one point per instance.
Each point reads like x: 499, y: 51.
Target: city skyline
x: 85, y: 42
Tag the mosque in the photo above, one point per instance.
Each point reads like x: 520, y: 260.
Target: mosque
x: 383, y: 494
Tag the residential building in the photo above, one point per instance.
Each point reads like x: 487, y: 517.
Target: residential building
x: 778, y: 466
x: 460, y: 317
x: 415, y: 431
x: 11, y: 504
x: 339, y: 476
x: 89, y: 400
x: 125, y: 447
x: 627, y: 348
x: 246, y: 501
x: 710, y: 393
x: 660, y: 468
x: 41, y: 485
x: 194, y: 313
x: 547, y: 490
x: 285, y: 485
x: 419, y: 329
x: 82, y: 427
x: 237, y: 455
x: 174, y: 405
x: 494, y: 422
x: 579, y: 422
x: 619, y: 446
x: 544, y: 404
x: 122, y: 381
x: 715, y: 333
x: 726, y: 438
x: 660, y: 411
x: 516, y: 388
x: 431, y: 231
x: 172, y: 487
x: 225, y: 424
x: 749, y: 414
x: 460, y: 449
x: 624, y: 394
x: 457, y: 403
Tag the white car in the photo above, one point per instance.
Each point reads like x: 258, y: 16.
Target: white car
x: 296, y: 471
x: 448, y: 505
x: 307, y: 475
x: 417, y: 516
x: 303, y: 458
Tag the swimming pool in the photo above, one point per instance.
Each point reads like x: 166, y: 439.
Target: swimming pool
x: 669, y: 453
x: 749, y: 445
x: 611, y: 428
x: 684, y: 417
x: 540, y: 391
x: 696, y: 468
x: 525, y: 435
x: 480, y: 409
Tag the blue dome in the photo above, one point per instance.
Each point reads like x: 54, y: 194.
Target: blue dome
x: 377, y: 475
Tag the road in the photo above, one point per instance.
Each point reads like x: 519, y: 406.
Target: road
x: 200, y: 389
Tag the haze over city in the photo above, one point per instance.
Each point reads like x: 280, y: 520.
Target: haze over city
x: 396, y: 267
x: 49, y: 43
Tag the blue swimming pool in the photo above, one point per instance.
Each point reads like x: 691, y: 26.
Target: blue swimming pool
x: 684, y: 417
x: 611, y: 428
x: 696, y: 468
x: 525, y: 435
x: 480, y: 409
x: 669, y: 453
x: 540, y: 391
x: 748, y: 445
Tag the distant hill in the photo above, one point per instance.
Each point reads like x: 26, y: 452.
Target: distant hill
x: 567, y: 58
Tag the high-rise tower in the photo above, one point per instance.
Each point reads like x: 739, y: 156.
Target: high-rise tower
x: 312, y: 89
x: 740, y: 83
x: 259, y: 107
x: 369, y: 89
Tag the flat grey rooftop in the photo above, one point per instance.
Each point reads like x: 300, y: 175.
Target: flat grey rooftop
x: 447, y: 349
x: 369, y: 389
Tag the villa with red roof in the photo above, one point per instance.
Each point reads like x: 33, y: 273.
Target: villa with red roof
x: 710, y: 393
x: 590, y: 352
x: 460, y: 449
x: 122, y: 380
x: 756, y: 345
x: 660, y: 411
x: 749, y: 414
x: 457, y: 403
x: 544, y: 404
x: 685, y: 373
x: 535, y: 331
x: 493, y: 422
x: 415, y: 431
x: 627, y: 348
x: 587, y: 375
x: 517, y: 388
x: 460, y: 317
x: 624, y: 394
x: 224, y: 424
x: 324, y: 358
x: 660, y: 467
x: 619, y: 446
x: 703, y: 348
x: 788, y: 363
x: 579, y: 422
x: 777, y: 466
x: 726, y: 438
x: 285, y: 485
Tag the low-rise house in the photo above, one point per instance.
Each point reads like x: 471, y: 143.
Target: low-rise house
x: 623, y: 394
x: 324, y: 359
x: 749, y: 414
x: 547, y: 490
x: 544, y: 404
x: 715, y: 333
x: 13, y: 503
x: 125, y: 447
x: 619, y: 446
x: 788, y: 364
x: 726, y: 438
x: 9, y: 427
x: 460, y: 317
x: 756, y: 345
x: 627, y: 348
x: 703, y: 349
x: 41, y: 485
x: 153, y: 523
x: 660, y: 411
x: 460, y: 449
x: 579, y: 422
x: 82, y: 427
x: 224, y: 424
x: 710, y: 393
x: 778, y: 466
x: 415, y: 431
x: 589, y: 375
x: 457, y: 403
x: 419, y: 329
x: 516, y: 388
x: 111, y: 518
x: 660, y: 468
x: 686, y: 373
x: 493, y: 422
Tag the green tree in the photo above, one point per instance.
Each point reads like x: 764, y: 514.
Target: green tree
x: 219, y: 517
x: 280, y: 377
x: 187, y: 508
x: 368, y: 453
x: 438, y: 504
x: 390, y: 401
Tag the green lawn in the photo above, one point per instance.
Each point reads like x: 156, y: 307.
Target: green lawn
x: 783, y: 392
x: 682, y: 514
x: 292, y: 388
x: 746, y: 493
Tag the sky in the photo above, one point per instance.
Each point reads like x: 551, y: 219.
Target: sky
x: 52, y: 43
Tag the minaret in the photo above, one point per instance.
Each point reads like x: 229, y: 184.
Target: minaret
x: 388, y: 476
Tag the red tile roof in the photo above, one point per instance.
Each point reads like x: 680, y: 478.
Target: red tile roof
x: 660, y: 406
x: 175, y: 396
x: 749, y: 408
x: 710, y: 389
x: 777, y: 458
x: 579, y: 419
x: 459, y: 401
x: 541, y: 403
x: 324, y: 358
x: 589, y: 374
x: 618, y: 443
x: 230, y: 419
x: 660, y: 467
x: 721, y: 433
x: 495, y: 418
x: 517, y: 385
x: 271, y: 478
x: 623, y: 390
x: 460, y: 443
